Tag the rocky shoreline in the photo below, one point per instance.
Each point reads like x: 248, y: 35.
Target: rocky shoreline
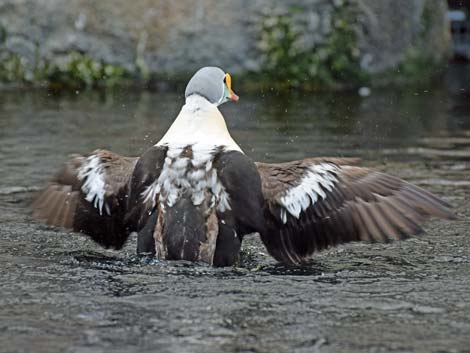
x: 282, y: 44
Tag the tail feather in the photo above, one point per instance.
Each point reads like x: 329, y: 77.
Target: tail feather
x: 189, y: 232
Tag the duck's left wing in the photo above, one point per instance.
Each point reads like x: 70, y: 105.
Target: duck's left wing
x: 89, y: 195
x: 318, y: 202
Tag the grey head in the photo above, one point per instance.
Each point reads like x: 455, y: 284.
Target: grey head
x: 213, y: 84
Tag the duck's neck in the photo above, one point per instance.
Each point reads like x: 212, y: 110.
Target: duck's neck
x: 199, y: 122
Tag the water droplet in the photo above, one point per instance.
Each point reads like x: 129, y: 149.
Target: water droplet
x: 364, y: 91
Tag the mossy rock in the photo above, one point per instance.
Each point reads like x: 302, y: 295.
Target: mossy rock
x: 74, y: 70
x: 332, y: 63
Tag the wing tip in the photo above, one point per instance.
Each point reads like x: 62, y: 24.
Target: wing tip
x: 55, y: 206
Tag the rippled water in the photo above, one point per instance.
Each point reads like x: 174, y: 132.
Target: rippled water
x: 62, y: 293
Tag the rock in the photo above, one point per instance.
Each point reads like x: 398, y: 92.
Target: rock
x: 394, y: 30
x: 162, y: 38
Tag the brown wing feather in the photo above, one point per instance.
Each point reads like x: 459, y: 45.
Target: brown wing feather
x: 63, y: 203
x: 60, y: 196
x: 362, y: 205
x: 277, y: 177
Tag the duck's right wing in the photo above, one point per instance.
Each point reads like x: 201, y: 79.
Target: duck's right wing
x: 319, y: 202
x: 89, y: 195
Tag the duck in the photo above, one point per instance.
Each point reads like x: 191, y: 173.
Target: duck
x: 195, y: 194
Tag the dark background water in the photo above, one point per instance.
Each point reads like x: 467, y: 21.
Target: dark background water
x: 62, y: 293
x: 39, y: 129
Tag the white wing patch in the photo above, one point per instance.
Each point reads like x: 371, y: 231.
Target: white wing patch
x: 196, y: 175
x: 150, y: 193
x: 299, y: 198
x: 91, y: 173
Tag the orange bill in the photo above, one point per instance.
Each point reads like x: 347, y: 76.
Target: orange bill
x: 228, y: 82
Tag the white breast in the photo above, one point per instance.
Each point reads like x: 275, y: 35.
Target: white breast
x: 199, y: 122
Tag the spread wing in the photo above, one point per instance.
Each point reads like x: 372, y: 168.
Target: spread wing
x: 316, y: 203
x: 89, y: 195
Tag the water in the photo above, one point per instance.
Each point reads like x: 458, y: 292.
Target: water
x: 62, y: 293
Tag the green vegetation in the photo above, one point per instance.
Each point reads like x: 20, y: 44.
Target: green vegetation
x: 332, y: 62
x: 82, y: 71
x: 11, y: 68
x: 3, y: 34
x: 73, y: 70
x: 416, y: 68
x: 427, y: 18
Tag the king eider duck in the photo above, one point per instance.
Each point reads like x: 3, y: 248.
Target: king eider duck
x: 195, y: 194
